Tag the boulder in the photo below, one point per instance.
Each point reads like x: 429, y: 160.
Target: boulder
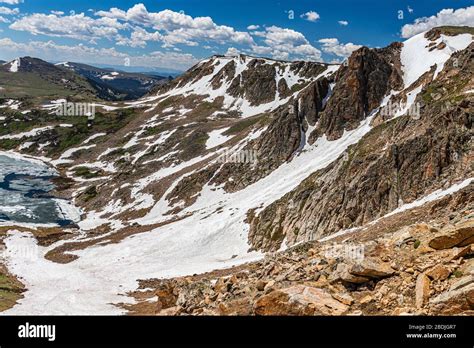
x: 422, y: 290
x: 171, y: 311
x: 222, y: 285
x: 366, y: 299
x: 344, y: 298
x: 299, y: 300
x: 439, y: 272
x: 459, y: 298
x: 371, y: 268
x: 269, y: 286
x: 460, y: 235
x: 167, y: 295
x: 341, y: 273
x: 241, y: 306
x: 463, y: 252
x: 261, y: 285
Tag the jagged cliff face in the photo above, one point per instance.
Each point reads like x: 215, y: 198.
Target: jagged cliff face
x: 359, y: 89
x: 398, y: 161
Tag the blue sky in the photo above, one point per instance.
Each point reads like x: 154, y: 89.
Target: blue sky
x: 175, y: 34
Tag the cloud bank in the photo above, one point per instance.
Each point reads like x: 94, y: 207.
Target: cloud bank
x: 460, y: 17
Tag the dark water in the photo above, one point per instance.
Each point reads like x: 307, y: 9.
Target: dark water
x: 25, y: 193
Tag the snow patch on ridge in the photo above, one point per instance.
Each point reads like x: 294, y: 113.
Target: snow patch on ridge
x: 14, y: 65
x: 417, y: 59
x: 216, y: 138
x: 203, y: 86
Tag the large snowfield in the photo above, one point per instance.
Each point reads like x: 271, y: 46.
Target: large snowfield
x: 103, y: 274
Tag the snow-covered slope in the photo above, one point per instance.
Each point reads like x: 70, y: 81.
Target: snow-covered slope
x: 13, y: 65
x: 165, y: 204
x: 239, y: 82
x: 419, y: 54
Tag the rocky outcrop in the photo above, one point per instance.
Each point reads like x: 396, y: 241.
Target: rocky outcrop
x: 257, y: 83
x: 360, y: 87
x: 460, y: 297
x: 224, y: 75
x: 284, y: 127
x: 188, y: 189
x: 397, y: 162
x: 310, y: 101
x: 275, y: 146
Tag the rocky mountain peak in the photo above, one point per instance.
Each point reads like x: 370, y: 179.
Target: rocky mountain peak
x: 245, y: 84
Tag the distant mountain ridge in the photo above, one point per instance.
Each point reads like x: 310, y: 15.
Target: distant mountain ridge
x: 115, y: 84
x: 141, y: 69
x: 33, y: 77
x: 30, y: 77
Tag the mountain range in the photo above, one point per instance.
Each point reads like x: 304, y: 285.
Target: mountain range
x: 265, y: 180
x: 33, y: 77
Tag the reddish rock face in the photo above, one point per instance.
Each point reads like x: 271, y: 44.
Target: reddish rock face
x: 360, y: 87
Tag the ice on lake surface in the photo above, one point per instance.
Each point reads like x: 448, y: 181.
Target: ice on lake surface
x: 24, y: 192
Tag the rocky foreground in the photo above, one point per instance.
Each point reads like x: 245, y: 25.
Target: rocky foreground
x: 420, y: 269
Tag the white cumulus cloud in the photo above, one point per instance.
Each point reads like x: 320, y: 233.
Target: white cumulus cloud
x: 11, y: 2
x: 344, y: 23
x: 178, y: 27
x: 76, y: 26
x: 134, y: 27
x: 285, y: 44
x: 253, y: 27
x: 311, y: 16
x: 333, y: 46
x: 9, y: 11
x: 139, y: 38
x: 449, y: 16
x: 232, y: 51
x: 81, y: 53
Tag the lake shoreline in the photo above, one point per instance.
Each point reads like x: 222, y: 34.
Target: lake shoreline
x: 46, y: 187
